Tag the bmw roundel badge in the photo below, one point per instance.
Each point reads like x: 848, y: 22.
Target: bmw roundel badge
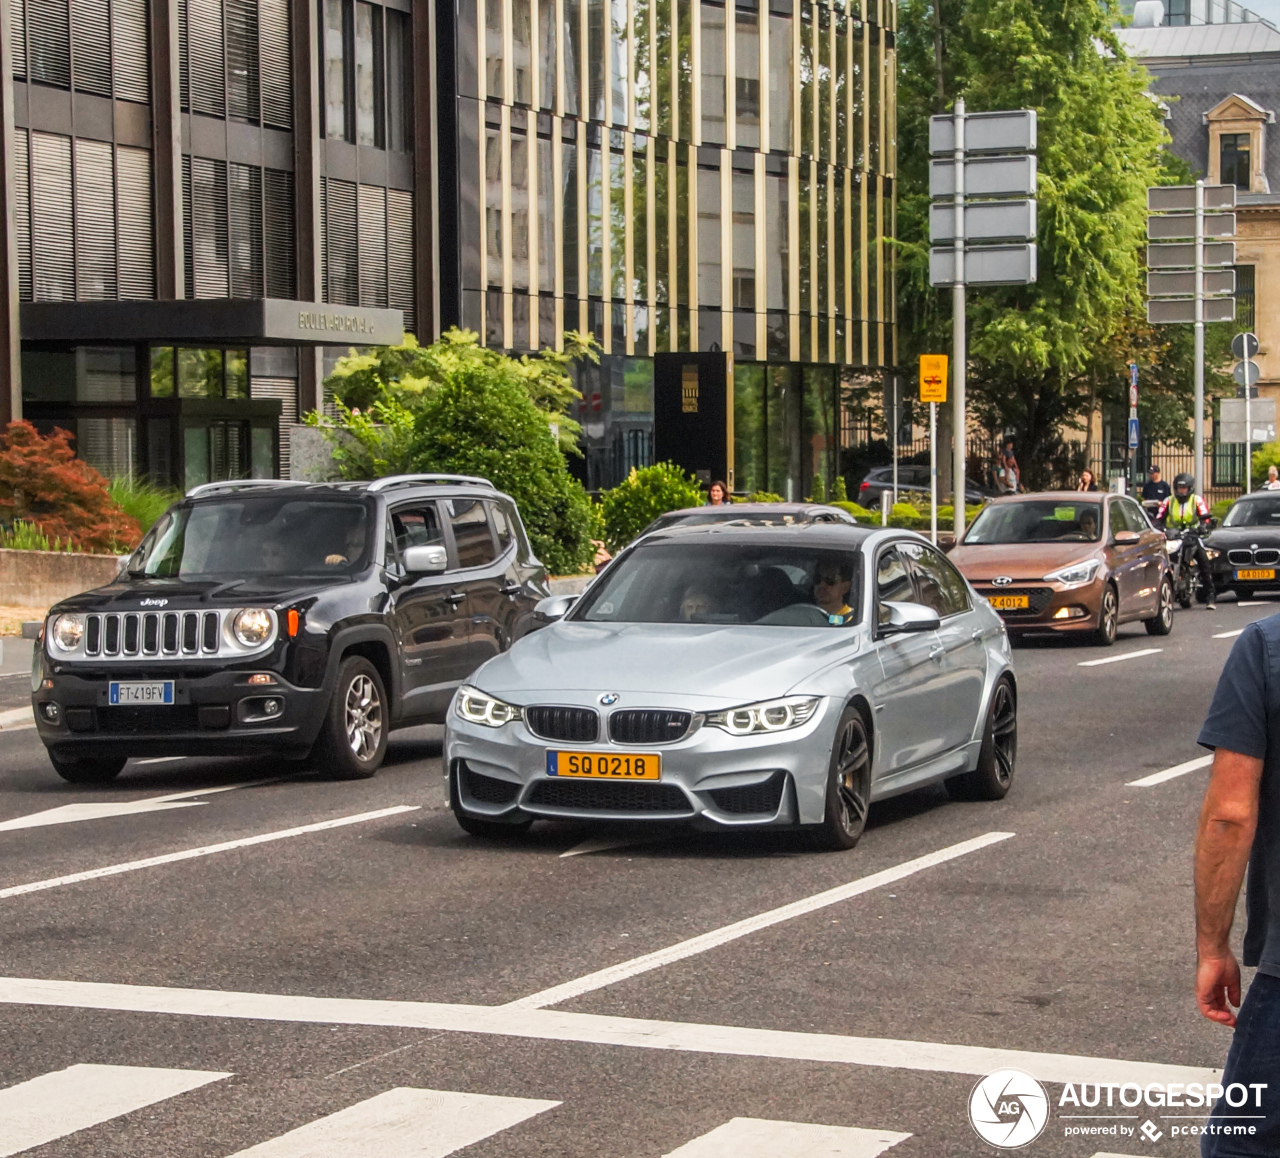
x: 609, y: 698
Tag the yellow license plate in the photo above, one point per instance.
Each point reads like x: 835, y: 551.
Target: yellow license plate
x: 1265, y: 573
x: 1010, y: 602
x: 605, y: 765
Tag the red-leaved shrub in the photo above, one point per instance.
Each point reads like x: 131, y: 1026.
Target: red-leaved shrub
x: 43, y: 482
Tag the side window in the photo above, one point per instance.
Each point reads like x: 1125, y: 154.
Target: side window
x: 471, y: 532
x: 893, y: 582
x: 1136, y: 515
x: 417, y: 527
x: 939, y: 585
x: 501, y: 527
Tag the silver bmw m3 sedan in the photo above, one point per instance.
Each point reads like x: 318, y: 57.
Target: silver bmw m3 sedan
x: 735, y: 676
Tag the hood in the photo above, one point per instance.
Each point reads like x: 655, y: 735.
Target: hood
x: 1226, y: 537
x: 128, y: 594
x: 1025, y: 561
x: 723, y: 665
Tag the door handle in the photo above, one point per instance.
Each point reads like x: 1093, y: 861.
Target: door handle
x: 937, y: 653
x: 455, y: 597
x: 512, y: 589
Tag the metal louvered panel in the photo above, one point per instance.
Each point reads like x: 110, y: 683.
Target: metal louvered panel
x: 18, y: 26
x: 188, y: 248
x: 49, y: 42
x: 245, y: 182
x: 285, y: 389
x: 130, y: 58
x: 209, y: 228
x: 53, y: 273
x: 340, y: 218
x: 324, y: 240
x: 242, y: 59
x: 135, y: 224
x: 95, y: 189
x: 400, y: 270
x: 372, y: 209
x: 22, y: 211
x: 275, y: 63
x: 205, y: 53
x: 91, y: 46
x: 184, y: 60
x: 280, y: 257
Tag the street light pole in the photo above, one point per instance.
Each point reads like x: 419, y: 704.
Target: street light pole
x: 1199, y: 420
x: 958, y: 335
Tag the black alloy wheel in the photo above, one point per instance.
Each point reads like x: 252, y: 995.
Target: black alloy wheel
x: 1104, y: 634
x: 1162, y: 624
x: 848, y: 784
x: 998, y: 756
x: 87, y: 770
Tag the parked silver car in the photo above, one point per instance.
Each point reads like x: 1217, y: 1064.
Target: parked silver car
x: 742, y: 676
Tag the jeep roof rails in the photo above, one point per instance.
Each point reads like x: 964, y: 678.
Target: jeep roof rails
x: 235, y: 484
x: 405, y: 480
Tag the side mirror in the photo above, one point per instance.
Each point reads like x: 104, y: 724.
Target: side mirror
x: 906, y: 618
x: 1213, y: 523
x: 553, y: 608
x: 426, y: 560
x: 1121, y: 538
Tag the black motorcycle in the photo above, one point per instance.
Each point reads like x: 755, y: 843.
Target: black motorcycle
x: 1188, y: 584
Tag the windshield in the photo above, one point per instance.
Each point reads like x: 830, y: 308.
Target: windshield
x: 727, y: 583
x: 267, y: 535
x: 722, y: 515
x: 1254, y: 513
x: 1037, y: 521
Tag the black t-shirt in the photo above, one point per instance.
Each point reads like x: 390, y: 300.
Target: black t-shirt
x: 1155, y: 492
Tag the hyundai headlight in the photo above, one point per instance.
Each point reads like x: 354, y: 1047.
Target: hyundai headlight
x: 68, y: 631
x: 477, y: 708
x: 252, y: 626
x: 769, y: 716
x: 1077, y: 575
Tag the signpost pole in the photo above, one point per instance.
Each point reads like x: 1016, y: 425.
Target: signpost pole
x: 896, y: 422
x: 1248, y: 441
x: 958, y: 335
x: 1199, y: 351
x: 933, y: 472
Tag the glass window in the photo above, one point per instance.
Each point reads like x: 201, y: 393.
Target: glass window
x: 1137, y: 518
x: 105, y: 374
x: 195, y: 445
x: 471, y: 533
x: 618, y: 61
x: 501, y: 526
x: 709, y: 237
x: 262, y: 461
x: 617, y: 221
x: 493, y: 204
x: 417, y: 527
x: 747, y: 80
x: 493, y: 48
x: 641, y: 77
x: 595, y: 222
x: 1233, y: 159
x: 109, y: 445
x: 1259, y: 512
x: 569, y: 217
x: 663, y: 67
x: 521, y: 52
x: 399, y: 86
x: 237, y: 373
x: 335, y: 71
x: 938, y: 584
x: 744, y: 241
x: 1246, y: 298
x: 595, y: 59
x: 780, y: 78
x: 519, y: 211
x: 199, y: 373
x: 1037, y: 521
x: 639, y: 220
x: 661, y: 221
x: 368, y: 78
x: 893, y: 582
x: 777, y: 241
x: 683, y: 52
x: 572, y: 56
x: 713, y: 75
x: 547, y: 55
x: 546, y: 219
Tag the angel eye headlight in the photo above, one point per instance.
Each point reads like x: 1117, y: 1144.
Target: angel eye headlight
x: 1076, y: 575
x: 477, y: 708
x: 252, y: 626
x: 769, y: 716
x: 68, y: 631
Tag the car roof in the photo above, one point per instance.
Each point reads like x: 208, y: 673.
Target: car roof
x: 732, y: 509
x: 808, y: 534
x: 391, y: 485
x: 1060, y: 496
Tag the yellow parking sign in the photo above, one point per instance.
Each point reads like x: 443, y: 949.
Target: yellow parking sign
x: 933, y: 377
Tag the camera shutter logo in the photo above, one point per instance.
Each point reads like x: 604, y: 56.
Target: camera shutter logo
x: 1008, y: 1109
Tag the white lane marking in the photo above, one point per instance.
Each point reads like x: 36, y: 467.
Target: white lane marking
x: 1253, y: 603
x: 1108, y: 1154
x: 596, y: 845
x: 160, y: 759
x: 57, y: 1104
x: 763, y: 1138
x: 403, y: 1123
x: 1120, y: 658
x: 16, y: 718
x: 596, y: 1029
x: 727, y: 933
x: 205, y: 850
x: 1229, y: 634
x: 1171, y: 773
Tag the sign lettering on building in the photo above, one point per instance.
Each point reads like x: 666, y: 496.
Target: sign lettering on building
x: 689, y: 390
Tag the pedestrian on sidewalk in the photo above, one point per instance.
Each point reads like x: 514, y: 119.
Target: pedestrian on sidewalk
x: 1240, y: 826
x: 1273, y: 479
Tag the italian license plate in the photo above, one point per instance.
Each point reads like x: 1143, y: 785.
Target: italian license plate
x: 605, y: 765
x: 1257, y: 573
x: 1010, y: 602
x: 150, y: 692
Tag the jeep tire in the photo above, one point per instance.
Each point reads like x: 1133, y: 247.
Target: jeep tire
x: 353, y: 736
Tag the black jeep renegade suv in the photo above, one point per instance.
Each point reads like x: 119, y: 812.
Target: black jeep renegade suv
x: 271, y: 617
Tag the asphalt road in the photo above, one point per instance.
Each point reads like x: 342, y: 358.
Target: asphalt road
x: 229, y: 998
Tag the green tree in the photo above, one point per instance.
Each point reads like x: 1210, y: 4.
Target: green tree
x: 644, y: 495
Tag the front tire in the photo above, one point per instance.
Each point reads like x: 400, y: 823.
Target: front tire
x: 87, y: 770
x: 1162, y: 624
x: 353, y: 737
x: 998, y: 757
x: 848, y: 784
x: 1104, y: 634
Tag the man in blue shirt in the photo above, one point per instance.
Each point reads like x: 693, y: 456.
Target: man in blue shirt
x: 1240, y: 826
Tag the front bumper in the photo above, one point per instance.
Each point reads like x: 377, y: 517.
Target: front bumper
x: 710, y: 778
x: 1052, y: 607
x: 217, y: 713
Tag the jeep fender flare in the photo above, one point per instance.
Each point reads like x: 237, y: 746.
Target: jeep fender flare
x: 347, y: 639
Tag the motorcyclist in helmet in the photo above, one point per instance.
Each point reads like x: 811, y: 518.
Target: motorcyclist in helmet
x: 1182, y: 509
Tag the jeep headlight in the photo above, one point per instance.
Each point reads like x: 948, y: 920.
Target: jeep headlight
x: 68, y: 631
x: 768, y: 716
x: 252, y: 626
x: 477, y: 708
x: 1077, y: 575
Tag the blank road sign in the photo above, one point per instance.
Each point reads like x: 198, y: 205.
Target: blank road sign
x: 1180, y: 255
x: 1175, y: 198
x: 985, y: 177
x: 1246, y: 373
x: 1173, y: 226
x: 1013, y: 131
x: 985, y: 265
x: 1181, y: 283
x: 1174, y: 310
x: 1244, y: 345
x: 1262, y: 417
x: 984, y: 221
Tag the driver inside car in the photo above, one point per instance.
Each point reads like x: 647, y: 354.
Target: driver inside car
x: 1089, y: 523
x: 831, y: 585
x: 352, y: 547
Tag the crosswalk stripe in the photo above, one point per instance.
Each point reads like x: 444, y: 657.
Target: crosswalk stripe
x: 61, y: 1103
x: 402, y: 1123
x: 763, y: 1138
x: 1171, y: 773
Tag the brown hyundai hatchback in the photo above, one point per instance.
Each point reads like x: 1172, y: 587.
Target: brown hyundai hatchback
x: 1070, y: 562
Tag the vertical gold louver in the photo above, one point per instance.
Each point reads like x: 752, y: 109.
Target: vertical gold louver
x: 400, y: 264
x: 136, y: 225
x: 242, y: 59
x: 49, y: 42
x: 91, y: 46
x: 276, y: 67
x: 53, y: 272
x: 210, y: 243
x: 18, y: 27
x: 130, y: 56
x: 245, y: 205
x: 22, y: 210
x: 280, y: 255
x: 372, y: 214
x: 206, y: 57
x: 95, y: 219
x: 343, y: 255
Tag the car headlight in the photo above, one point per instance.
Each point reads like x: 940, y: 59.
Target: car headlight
x: 68, y: 631
x: 1077, y: 575
x: 769, y: 716
x: 477, y: 708
x: 252, y: 626
x: 1212, y: 552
